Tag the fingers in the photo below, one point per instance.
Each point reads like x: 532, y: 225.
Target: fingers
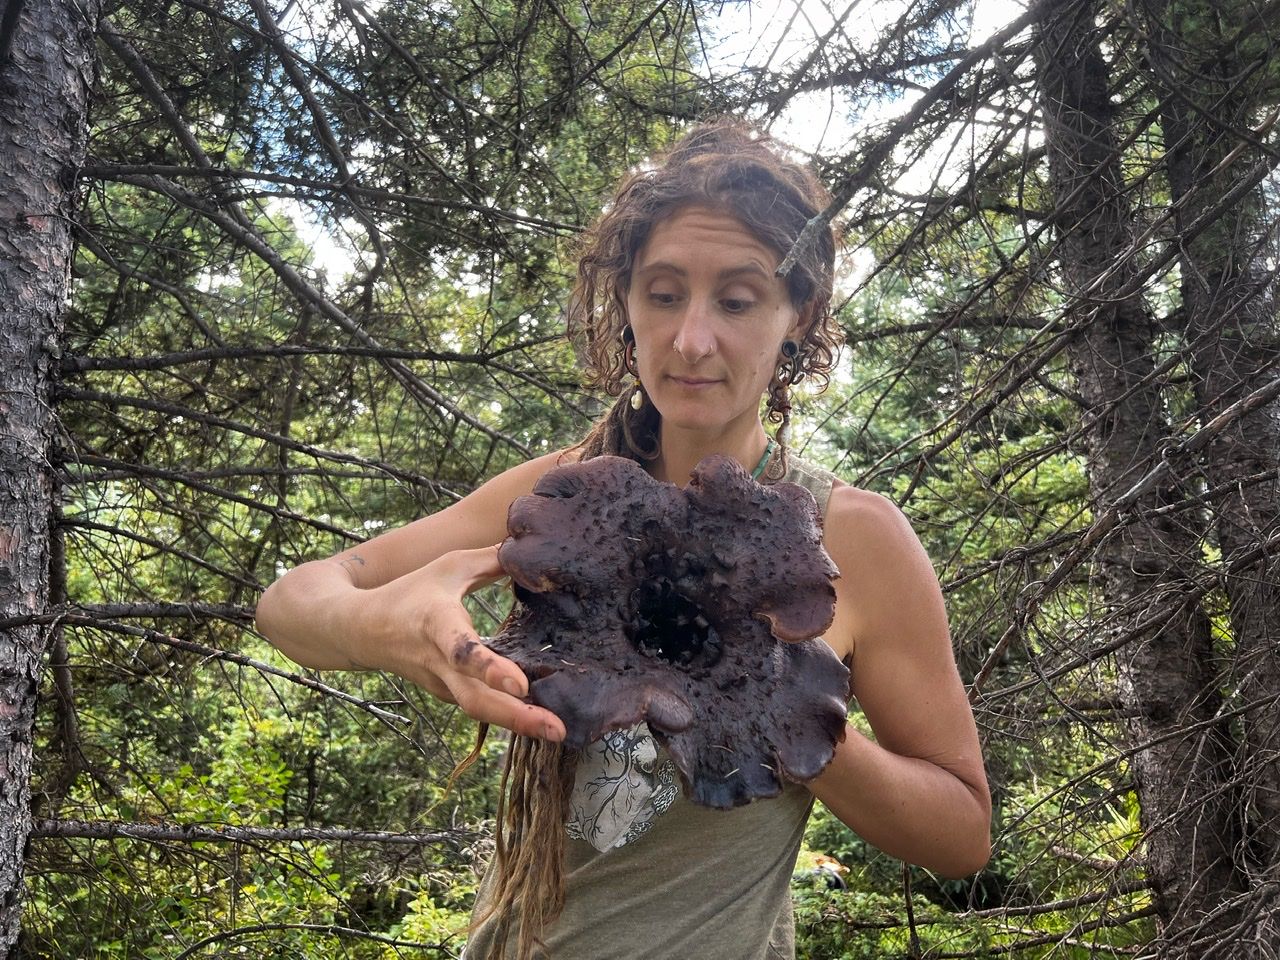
x: 470, y: 570
x: 487, y: 705
x: 488, y: 687
x: 458, y: 648
x: 470, y: 657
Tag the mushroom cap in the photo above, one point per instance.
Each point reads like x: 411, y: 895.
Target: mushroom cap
x: 698, y: 611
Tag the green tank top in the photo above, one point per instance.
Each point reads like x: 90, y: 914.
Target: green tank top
x: 710, y: 884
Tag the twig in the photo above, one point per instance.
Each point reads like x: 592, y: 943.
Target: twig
x: 201, y: 833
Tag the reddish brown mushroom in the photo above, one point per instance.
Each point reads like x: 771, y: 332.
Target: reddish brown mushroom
x: 696, y: 610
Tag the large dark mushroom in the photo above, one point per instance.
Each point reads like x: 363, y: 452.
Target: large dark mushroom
x: 696, y: 610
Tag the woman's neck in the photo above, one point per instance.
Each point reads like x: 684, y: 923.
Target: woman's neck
x: 681, y: 450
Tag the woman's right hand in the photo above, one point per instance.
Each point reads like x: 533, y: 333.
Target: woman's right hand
x: 416, y: 626
x: 395, y: 603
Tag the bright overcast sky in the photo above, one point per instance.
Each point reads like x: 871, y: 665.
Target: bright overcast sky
x: 779, y: 33
x: 782, y: 33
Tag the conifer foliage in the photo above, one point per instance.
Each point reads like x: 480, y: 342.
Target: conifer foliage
x: 275, y: 277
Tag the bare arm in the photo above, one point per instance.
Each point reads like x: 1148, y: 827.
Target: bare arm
x: 918, y: 791
x: 395, y: 603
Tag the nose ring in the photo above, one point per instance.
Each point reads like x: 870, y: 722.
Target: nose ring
x: 675, y: 346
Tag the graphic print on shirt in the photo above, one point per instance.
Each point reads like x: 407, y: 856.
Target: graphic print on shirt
x: 621, y: 787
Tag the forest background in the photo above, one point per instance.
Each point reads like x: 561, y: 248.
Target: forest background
x: 277, y: 276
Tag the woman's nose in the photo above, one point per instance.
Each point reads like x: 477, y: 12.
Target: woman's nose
x: 695, y: 340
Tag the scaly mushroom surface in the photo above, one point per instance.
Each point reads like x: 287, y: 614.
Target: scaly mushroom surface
x: 697, y: 610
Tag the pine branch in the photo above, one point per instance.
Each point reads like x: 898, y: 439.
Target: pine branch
x: 903, y: 126
x: 112, y: 400
x: 230, y: 612
x: 77, y: 619
x: 231, y: 219
x: 200, y: 833
x: 80, y: 523
x: 142, y: 470
x: 999, y: 913
x: 78, y: 364
x: 329, y: 929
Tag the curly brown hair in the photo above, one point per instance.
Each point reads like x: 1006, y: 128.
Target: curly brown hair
x: 726, y: 165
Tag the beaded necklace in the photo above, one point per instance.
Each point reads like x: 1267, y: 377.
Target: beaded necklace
x: 764, y: 459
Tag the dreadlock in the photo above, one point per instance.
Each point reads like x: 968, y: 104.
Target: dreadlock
x: 538, y: 776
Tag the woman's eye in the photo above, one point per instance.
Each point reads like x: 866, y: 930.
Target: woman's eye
x: 663, y: 299
x: 737, y: 305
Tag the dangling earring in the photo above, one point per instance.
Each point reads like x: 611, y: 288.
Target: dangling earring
x: 786, y: 374
x: 636, y: 403
x: 629, y: 361
x: 779, y: 406
x: 790, y: 350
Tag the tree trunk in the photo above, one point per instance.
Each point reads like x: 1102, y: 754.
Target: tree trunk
x: 44, y: 87
x: 1166, y: 676
x: 1228, y: 290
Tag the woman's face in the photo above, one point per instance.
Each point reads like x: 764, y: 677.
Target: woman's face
x: 709, y: 317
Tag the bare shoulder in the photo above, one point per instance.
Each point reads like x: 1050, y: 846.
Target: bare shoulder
x: 887, y: 580
x: 853, y: 505
x: 868, y: 529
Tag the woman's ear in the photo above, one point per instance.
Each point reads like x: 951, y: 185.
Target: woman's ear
x: 799, y: 330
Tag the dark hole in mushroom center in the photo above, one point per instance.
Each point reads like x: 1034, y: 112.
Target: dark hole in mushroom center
x: 671, y: 628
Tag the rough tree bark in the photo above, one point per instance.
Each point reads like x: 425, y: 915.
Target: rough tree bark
x: 1166, y: 676
x: 1217, y: 81
x: 44, y: 86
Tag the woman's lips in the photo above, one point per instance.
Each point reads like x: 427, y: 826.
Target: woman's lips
x: 694, y: 384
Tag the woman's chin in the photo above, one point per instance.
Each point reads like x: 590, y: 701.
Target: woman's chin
x: 694, y: 417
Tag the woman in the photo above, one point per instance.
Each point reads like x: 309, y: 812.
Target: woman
x: 686, y: 321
